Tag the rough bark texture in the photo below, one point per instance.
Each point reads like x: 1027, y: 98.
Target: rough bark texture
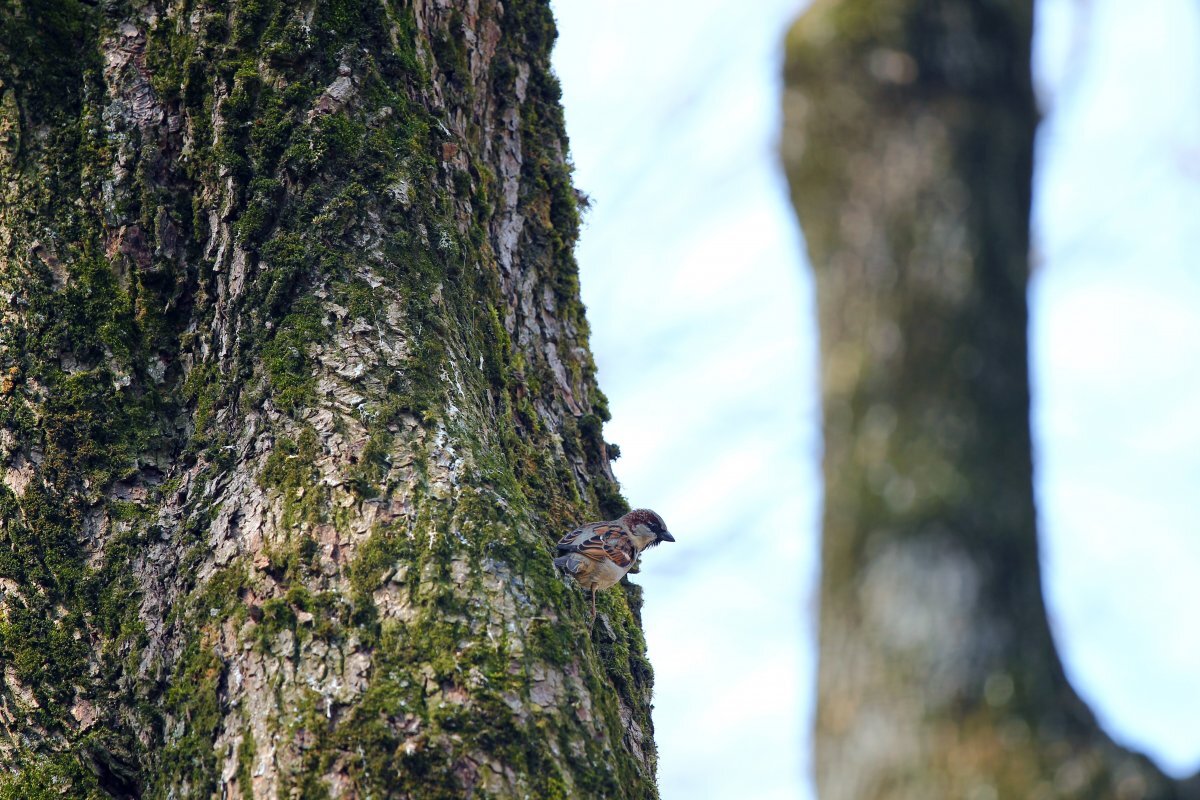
x: 295, y: 398
x: 909, y: 146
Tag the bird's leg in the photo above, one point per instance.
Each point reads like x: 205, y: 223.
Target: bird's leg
x: 593, y: 609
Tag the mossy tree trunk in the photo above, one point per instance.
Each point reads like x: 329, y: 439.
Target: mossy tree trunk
x: 295, y: 398
x: 909, y: 146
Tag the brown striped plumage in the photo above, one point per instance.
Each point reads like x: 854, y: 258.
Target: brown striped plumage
x: 599, y: 554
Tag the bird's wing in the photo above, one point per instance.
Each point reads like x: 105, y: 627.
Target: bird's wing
x: 571, y: 542
x: 600, y: 540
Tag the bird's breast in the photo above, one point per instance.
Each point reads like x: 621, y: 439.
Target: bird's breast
x: 605, y: 574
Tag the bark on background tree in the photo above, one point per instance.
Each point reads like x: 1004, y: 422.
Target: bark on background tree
x: 909, y: 146
x: 295, y: 398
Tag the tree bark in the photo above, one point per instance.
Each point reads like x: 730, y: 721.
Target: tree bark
x: 295, y: 398
x: 909, y: 146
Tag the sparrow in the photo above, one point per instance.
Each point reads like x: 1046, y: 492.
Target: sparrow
x: 598, y: 554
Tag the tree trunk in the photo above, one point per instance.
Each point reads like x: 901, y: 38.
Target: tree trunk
x: 295, y: 398
x: 909, y: 146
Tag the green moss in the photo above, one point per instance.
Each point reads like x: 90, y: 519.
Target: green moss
x: 192, y: 698
x: 247, y: 750
x: 277, y: 615
x: 286, y: 358
x: 249, y: 18
x: 45, y: 40
x: 291, y: 469
x: 365, y: 476
x: 286, y: 260
x: 220, y: 597
x: 451, y: 54
x: 202, y: 390
x: 47, y: 779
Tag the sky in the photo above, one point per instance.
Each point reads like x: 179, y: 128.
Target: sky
x: 703, y: 329
x: 1115, y: 305
x: 702, y: 315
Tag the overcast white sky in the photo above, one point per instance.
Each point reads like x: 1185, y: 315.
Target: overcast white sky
x: 1116, y: 361
x: 701, y: 310
x: 701, y: 314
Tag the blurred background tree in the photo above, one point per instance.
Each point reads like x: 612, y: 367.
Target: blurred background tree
x: 909, y: 134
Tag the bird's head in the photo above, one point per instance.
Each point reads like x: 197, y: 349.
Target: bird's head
x: 647, y: 527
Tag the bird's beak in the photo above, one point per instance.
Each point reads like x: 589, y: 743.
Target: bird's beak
x: 666, y: 537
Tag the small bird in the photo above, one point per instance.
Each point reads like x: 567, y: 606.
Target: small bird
x: 599, y: 554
